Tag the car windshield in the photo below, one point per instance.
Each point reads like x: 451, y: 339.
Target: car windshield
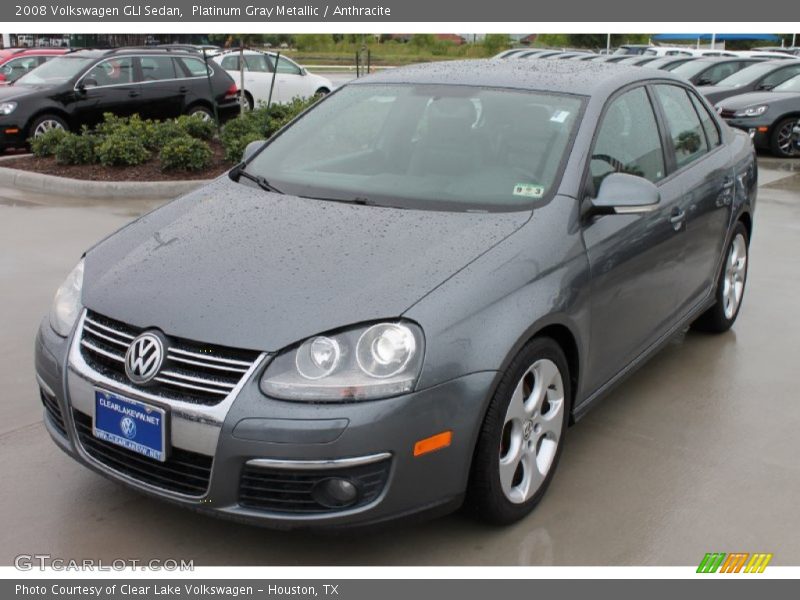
x: 692, y: 68
x: 790, y: 85
x: 745, y: 76
x: 55, y: 71
x: 442, y: 147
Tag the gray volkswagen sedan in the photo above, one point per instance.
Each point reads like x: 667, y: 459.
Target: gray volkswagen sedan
x: 401, y: 301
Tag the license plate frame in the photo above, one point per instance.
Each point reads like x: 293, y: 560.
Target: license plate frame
x: 146, y: 436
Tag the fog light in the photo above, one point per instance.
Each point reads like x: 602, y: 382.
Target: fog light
x: 335, y: 492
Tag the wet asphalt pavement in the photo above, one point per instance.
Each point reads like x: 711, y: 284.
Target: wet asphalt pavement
x: 697, y: 452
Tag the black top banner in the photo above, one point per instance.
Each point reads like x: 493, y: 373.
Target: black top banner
x: 395, y: 11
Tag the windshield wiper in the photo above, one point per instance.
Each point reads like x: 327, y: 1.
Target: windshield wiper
x: 259, y: 180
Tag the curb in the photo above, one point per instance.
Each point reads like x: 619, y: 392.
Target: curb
x: 78, y: 188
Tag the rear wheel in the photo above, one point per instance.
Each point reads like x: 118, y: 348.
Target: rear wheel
x: 321, y: 92
x: 522, y: 435
x: 200, y: 111
x: 45, y: 123
x: 781, y: 140
x: 730, y: 286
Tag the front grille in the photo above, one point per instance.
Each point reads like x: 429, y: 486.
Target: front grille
x: 192, y: 371
x: 53, y: 411
x: 288, y: 491
x: 727, y: 113
x: 184, y: 472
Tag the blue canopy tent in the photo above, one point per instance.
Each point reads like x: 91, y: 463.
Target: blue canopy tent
x: 715, y: 37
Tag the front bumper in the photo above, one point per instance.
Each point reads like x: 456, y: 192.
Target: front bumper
x: 12, y: 134
x: 756, y: 128
x: 251, y: 439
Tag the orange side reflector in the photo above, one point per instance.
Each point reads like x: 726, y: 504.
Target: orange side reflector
x: 10, y: 131
x: 435, y: 442
x: 763, y: 129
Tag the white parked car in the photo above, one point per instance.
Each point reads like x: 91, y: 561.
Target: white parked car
x: 682, y: 51
x: 291, y: 80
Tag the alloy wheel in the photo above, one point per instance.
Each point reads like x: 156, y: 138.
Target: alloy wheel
x: 531, y: 431
x: 735, y: 273
x: 46, y: 126
x: 786, y: 138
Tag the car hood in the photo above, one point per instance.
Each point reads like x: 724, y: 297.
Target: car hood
x: 13, y: 92
x: 233, y: 265
x: 755, y: 98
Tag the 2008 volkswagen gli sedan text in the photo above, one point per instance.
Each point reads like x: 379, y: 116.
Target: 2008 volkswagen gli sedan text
x: 402, y: 300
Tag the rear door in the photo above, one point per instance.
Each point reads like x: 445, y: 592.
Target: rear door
x: 634, y: 258
x: 703, y: 167
x: 162, y: 93
x: 289, y: 81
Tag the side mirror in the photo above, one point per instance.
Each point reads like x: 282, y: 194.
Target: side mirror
x: 251, y: 149
x: 623, y: 194
x: 703, y: 81
x: 764, y: 87
x: 87, y: 83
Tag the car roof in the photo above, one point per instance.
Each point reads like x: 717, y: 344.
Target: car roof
x: 560, y: 76
x: 96, y: 53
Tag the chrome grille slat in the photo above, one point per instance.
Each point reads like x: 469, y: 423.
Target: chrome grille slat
x: 192, y: 372
x: 197, y: 355
x: 108, y: 338
x: 109, y: 329
x: 200, y: 380
x: 105, y: 353
x: 197, y: 363
x: 199, y: 388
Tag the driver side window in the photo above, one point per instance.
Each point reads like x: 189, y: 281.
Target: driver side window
x: 628, y: 140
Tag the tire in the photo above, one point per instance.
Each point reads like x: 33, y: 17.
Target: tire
x: 199, y: 109
x: 730, y: 285
x: 321, y: 92
x: 506, y: 486
x: 247, y: 101
x: 781, y: 139
x: 46, y: 122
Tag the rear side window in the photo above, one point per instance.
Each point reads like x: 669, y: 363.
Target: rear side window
x: 195, y: 66
x: 156, y: 68
x: 285, y: 66
x: 628, y: 140
x: 684, y: 127
x: 709, y: 125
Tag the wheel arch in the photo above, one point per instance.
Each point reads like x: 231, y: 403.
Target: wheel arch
x: 49, y: 110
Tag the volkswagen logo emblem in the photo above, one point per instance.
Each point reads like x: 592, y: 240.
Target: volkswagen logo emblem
x: 128, y: 427
x: 144, y: 358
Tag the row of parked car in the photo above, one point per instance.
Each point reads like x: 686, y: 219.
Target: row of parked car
x: 757, y: 91
x: 47, y: 88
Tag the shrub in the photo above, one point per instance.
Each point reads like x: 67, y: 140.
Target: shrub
x: 76, y: 149
x: 197, y: 127
x: 185, y: 153
x: 258, y: 124
x: 163, y: 132
x: 45, y: 144
x: 121, y: 150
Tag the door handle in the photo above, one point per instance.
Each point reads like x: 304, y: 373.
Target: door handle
x: 677, y: 218
x: 133, y: 94
x: 183, y: 89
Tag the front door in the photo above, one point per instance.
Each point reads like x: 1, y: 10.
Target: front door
x: 109, y: 87
x: 633, y: 258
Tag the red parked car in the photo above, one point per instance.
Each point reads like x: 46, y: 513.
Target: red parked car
x: 15, y: 62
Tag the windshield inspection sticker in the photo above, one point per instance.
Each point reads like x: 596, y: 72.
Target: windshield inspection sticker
x: 529, y: 190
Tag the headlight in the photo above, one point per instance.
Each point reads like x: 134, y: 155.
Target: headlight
x: 6, y: 108
x: 752, y: 111
x: 67, y: 303
x: 361, y: 363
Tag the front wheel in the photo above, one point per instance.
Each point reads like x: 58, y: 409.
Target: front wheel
x: 522, y: 435
x: 45, y: 123
x: 781, y: 140
x: 730, y: 286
